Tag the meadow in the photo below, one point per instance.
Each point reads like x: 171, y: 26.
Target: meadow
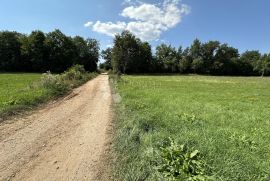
x: 23, y: 91
x: 20, y: 89
x: 226, y: 120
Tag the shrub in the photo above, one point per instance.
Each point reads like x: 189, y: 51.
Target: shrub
x: 62, y: 83
x: 54, y: 83
x: 178, y: 162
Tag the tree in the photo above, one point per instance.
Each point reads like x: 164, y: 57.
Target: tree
x: 223, y: 64
x: 196, y: 55
x: 167, y: 56
x: 10, y: 51
x: 263, y: 65
x: 35, y: 52
x: 208, y: 51
x: 92, y: 55
x: 185, y: 62
x: 197, y: 65
x: 129, y: 54
x: 247, y: 62
x: 62, y: 51
x: 144, y: 57
x: 196, y: 49
x: 107, y: 56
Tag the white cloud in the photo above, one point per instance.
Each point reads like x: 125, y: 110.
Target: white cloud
x: 88, y: 24
x: 147, y: 21
x: 144, y: 30
x: 109, y: 28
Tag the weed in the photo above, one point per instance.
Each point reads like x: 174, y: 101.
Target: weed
x: 178, y: 162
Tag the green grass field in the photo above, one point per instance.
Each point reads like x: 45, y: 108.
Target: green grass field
x: 19, y: 89
x: 226, y: 118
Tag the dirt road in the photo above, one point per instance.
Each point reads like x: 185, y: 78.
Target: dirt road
x: 65, y: 140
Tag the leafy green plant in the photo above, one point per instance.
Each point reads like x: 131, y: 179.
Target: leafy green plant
x: 62, y: 83
x: 177, y: 162
x: 55, y: 83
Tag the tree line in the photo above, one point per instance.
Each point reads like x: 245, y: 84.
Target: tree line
x: 41, y: 52
x: 130, y: 55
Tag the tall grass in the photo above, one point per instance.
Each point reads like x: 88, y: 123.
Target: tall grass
x: 20, y: 92
x: 224, y: 119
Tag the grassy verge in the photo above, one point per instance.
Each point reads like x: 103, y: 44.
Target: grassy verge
x: 192, y: 128
x: 23, y: 91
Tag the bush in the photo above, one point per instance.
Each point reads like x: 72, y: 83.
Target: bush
x: 54, y: 83
x: 178, y: 162
x: 62, y: 83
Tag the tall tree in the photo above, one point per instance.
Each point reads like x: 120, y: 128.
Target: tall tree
x: 107, y: 56
x: 185, y: 62
x: 37, y: 50
x: 247, y: 62
x: 62, y: 51
x: 167, y: 56
x: 129, y: 54
x: 223, y: 64
x: 196, y: 55
x: 209, y: 50
x: 10, y: 51
x: 263, y: 65
x: 93, y: 52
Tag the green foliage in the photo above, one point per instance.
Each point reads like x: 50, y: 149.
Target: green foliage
x: 178, y: 162
x: 166, y: 56
x: 55, y: 83
x: 40, y: 52
x: 107, y: 56
x: 9, y: 51
x: 130, y: 54
x: 263, y: 65
x: 62, y: 83
x: 22, y: 91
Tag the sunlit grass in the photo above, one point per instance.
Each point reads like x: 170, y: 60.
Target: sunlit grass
x: 19, y: 89
x: 231, y: 127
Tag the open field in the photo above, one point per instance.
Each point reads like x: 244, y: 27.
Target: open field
x: 19, y: 89
x: 226, y: 118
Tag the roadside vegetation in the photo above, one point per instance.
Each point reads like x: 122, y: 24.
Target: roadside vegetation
x: 192, y: 128
x: 66, y: 62
x: 22, y: 91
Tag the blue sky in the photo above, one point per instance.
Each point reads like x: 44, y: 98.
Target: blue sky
x: 243, y: 24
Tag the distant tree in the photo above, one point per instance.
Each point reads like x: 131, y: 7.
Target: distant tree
x: 144, y: 58
x: 129, y: 54
x: 223, y: 64
x: 36, y: 52
x: 167, y: 56
x: 247, y: 62
x: 87, y: 53
x: 82, y: 54
x: 263, y: 65
x: 208, y: 51
x: 107, y: 56
x: 90, y: 63
x: 197, y: 65
x: 185, y: 62
x: 196, y: 49
x: 10, y: 51
x: 196, y: 52
x: 62, y: 51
